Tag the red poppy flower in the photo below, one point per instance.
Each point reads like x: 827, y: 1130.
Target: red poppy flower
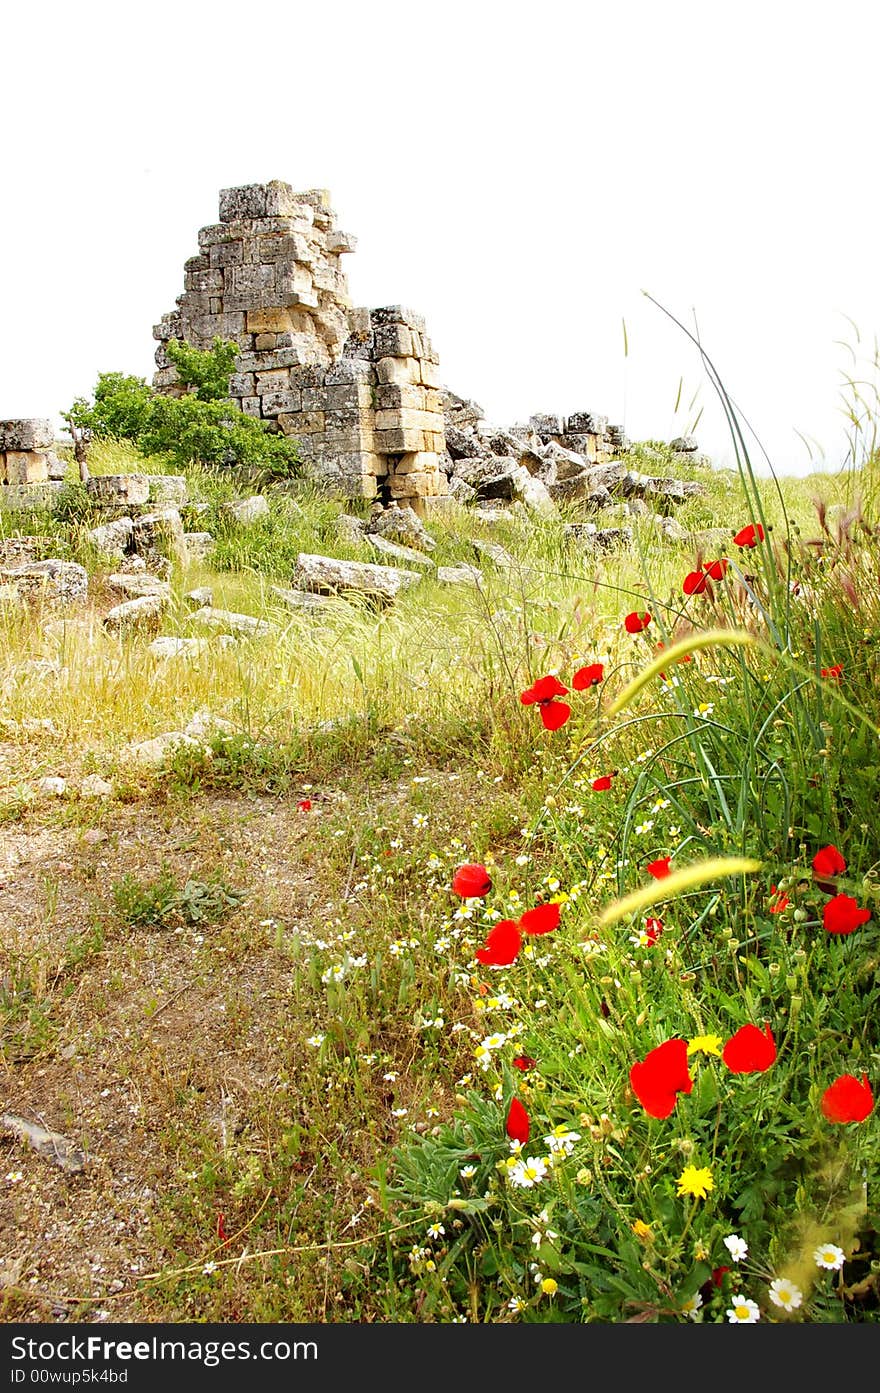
x: 517, y: 1122
x: 634, y: 623
x: 718, y: 1275
x: 779, y: 901
x: 749, y: 536
x: 834, y: 673
x: 545, y: 689
x: 716, y: 569
x: 695, y: 583
x: 659, y: 869
x: 658, y: 1079
x: 541, y: 920
x: 750, y: 1050
x: 503, y: 942
x: 602, y: 784
x: 842, y: 915
x: 304, y: 805
x: 471, y: 880
x: 543, y: 694
x: 653, y: 930
x: 524, y: 1062
x: 588, y: 677
x: 848, y: 1099
x: 828, y: 861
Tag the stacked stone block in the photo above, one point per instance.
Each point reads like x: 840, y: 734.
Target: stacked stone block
x: 30, y: 474
x: 584, y: 432
x: 357, y: 388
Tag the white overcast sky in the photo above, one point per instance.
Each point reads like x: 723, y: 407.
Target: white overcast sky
x: 518, y: 173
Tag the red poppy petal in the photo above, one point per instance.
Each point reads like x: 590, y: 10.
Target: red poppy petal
x: 304, y: 805
x: 657, y: 1079
x: 842, y: 915
x: 545, y: 689
x: 634, y: 623
x: 543, y: 919
x: 659, y: 869
x: 848, y: 1099
x: 554, y: 714
x: 750, y: 1050
x: 588, y: 677
x: 695, y: 583
x: 828, y: 861
x: 716, y: 569
x: 524, y: 1062
x: 602, y: 784
x: 471, y: 880
x: 517, y: 1122
x: 503, y: 942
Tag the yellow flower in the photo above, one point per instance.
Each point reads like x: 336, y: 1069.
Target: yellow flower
x: 643, y: 1231
x: 695, y: 1181
x: 549, y: 1286
x: 706, y: 1044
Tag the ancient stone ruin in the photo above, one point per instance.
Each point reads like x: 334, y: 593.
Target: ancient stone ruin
x: 357, y: 388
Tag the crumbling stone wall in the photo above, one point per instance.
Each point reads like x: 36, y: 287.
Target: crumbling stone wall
x: 30, y: 472
x: 358, y: 388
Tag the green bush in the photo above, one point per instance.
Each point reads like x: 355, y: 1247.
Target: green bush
x: 203, y: 427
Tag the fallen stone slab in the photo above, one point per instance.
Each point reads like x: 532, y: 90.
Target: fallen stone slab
x: 592, y: 538
x: 228, y: 619
x: 494, y: 552
x: 53, y: 581
x: 136, y: 584
x: 246, y: 510
x: 171, y: 647
x: 459, y: 575
x: 167, y: 488
x: 144, y: 612
x: 327, y: 575
x: 408, y: 555
x: 403, y: 525
x: 198, y: 545
x: 52, y: 1146
x: 112, y: 538
x: 299, y: 599
x: 118, y: 490
x: 93, y: 786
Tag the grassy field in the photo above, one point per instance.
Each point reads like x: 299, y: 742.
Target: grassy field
x: 242, y: 985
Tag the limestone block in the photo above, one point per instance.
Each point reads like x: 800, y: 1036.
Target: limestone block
x: 339, y: 243
x: 392, y: 442
x: 281, y: 201
x: 165, y: 377
x: 420, y: 483
x: 247, y: 201
x: 269, y: 360
x: 251, y: 406
x: 26, y: 467
x: 159, y: 532
x: 23, y: 498
x: 350, y: 370
x: 249, y: 279
x: 167, y: 488
x: 242, y: 384
x: 393, y: 341
x: 197, y: 263
x: 397, y: 314
x: 269, y: 321
x: 276, y: 380
x: 113, y: 538
x: 429, y: 373
x: 227, y: 619
x: 299, y: 599
x: 118, y: 489
x: 31, y: 433
x: 52, y: 581
x: 400, y: 397
x: 306, y: 423
x: 198, y: 544
x: 247, y: 510
x: 459, y: 575
x: 400, y: 371
x: 289, y: 276
x: 204, y: 282
x: 137, y: 584
x: 222, y: 254
x: 273, y: 403
x: 328, y: 575
x: 406, y: 556
x: 170, y: 327
x: 419, y: 461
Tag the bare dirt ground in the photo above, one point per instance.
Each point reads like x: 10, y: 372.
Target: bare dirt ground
x: 123, y: 1037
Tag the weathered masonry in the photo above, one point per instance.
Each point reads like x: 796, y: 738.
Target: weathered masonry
x: 358, y: 388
